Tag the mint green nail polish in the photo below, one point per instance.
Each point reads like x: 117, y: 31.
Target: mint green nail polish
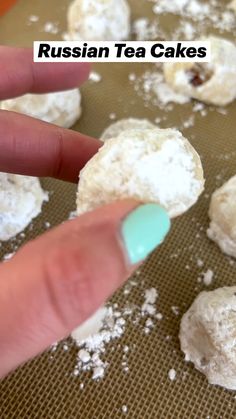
x: 143, y: 230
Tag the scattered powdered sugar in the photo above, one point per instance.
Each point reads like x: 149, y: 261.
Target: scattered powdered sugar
x: 204, y: 15
x: 152, y: 87
x: 32, y: 19
x: 91, y: 326
x: 112, y: 116
x: 8, y: 256
x: 124, y: 409
x: 95, y: 77
x: 92, y: 347
x: 48, y: 27
x: 108, y: 325
x: 194, y: 19
x: 166, y: 95
x: 187, y: 30
x: 174, y: 6
x: 98, y: 372
x: 200, y: 263
x: 172, y: 374
x: 65, y: 36
x: 65, y: 347
x: 148, y: 306
x: 72, y: 215
x: 198, y: 107
x: 175, y: 310
x: 47, y: 225
x: 189, y: 122
x: 145, y: 30
x: 84, y: 356
x: 208, y: 277
x: 51, y: 27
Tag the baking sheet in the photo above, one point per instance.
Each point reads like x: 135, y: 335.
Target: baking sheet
x: 46, y: 387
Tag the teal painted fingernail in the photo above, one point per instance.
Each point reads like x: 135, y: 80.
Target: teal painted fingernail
x: 143, y: 230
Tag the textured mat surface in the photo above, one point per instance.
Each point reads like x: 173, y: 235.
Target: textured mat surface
x: 45, y: 387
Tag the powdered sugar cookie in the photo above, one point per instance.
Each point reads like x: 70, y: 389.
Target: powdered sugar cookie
x: 21, y: 199
x: 123, y: 125
x: 213, y: 82
x: 155, y: 165
x: 60, y: 108
x: 99, y: 20
x: 207, y: 335
x: 222, y: 213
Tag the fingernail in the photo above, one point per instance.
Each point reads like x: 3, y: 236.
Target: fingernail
x: 143, y: 230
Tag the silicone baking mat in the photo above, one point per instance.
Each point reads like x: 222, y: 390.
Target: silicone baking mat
x: 46, y: 387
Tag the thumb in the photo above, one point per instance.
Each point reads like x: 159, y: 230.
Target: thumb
x: 57, y: 281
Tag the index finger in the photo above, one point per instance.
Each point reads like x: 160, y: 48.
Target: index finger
x: 20, y: 75
x: 35, y: 148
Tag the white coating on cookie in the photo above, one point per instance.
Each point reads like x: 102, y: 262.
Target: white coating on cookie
x: 21, y: 199
x: 154, y: 165
x: 222, y: 214
x: 59, y: 108
x: 99, y: 20
x: 113, y: 130
x: 207, y: 335
x: 220, y: 88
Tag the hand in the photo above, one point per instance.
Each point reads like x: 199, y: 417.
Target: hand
x: 59, y: 279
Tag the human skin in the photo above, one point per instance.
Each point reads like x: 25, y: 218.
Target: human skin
x: 59, y: 279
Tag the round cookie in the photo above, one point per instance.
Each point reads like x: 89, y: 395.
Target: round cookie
x: 21, y: 199
x: 99, y: 20
x: 213, y: 82
x: 60, y: 108
x: 123, y: 125
x: 155, y: 165
x: 207, y: 336
x: 222, y: 214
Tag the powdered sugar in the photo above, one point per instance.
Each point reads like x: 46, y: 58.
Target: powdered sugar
x: 60, y: 108
x: 153, y: 89
x: 51, y: 27
x: 95, y: 77
x: 99, y: 20
x: 145, y: 30
x: 33, y: 19
x: 8, y: 256
x: 92, y: 346
x: 148, y: 306
x: 21, y: 200
x: 124, y: 409
x: 91, y: 326
x: 208, y: 277
x: 203, y: 14
x: 172, y: 374
x: 109, y: 325
x: 174, y: 6
x: 161, y: 167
